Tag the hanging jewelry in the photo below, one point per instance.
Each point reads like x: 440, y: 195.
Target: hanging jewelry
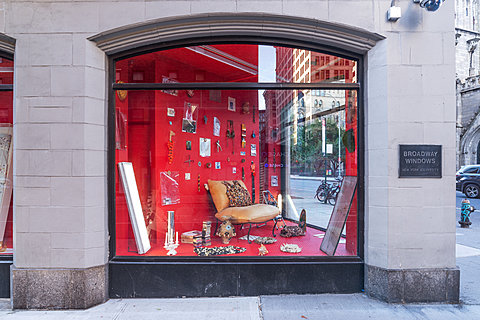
x: 170, y: 147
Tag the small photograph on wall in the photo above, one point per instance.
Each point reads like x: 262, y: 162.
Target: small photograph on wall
x: 216, y: 127
x: 274, y: 181
x: 189, y: 123
x: 231, y: 104
x: 205, y: 147
x: 253, y: 150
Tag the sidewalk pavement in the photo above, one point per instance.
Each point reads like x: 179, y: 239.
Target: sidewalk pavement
x: 286, y: 307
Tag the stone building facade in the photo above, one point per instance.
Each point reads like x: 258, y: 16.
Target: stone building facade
x: 467, y: 34
x: 63, y: 94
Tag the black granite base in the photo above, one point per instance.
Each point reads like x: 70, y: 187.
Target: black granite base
x: 5, y: 278
x: 413, y: 285
x: 168, y: 280
x: 58, y: 288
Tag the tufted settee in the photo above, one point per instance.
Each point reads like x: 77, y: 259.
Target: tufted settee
x: 252, y: 214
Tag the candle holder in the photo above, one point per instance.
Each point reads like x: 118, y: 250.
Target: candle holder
x: 171, y: 246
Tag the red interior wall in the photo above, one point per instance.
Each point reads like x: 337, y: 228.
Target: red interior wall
x: 351, y: 170
x: 6, y: 116
x: 147, y: 135
x: 187, y: 218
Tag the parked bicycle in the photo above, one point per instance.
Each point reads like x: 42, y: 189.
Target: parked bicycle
x: 328, y: 192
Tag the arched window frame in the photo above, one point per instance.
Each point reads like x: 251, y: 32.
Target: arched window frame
x: 261, y: 29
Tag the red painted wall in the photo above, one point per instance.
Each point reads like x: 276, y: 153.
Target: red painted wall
x: 147, y: 134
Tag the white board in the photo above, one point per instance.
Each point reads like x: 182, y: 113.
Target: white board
x: 134, y: 207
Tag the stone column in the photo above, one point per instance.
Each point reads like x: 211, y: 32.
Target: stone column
x: 410, y: 223
x: 60, y: 208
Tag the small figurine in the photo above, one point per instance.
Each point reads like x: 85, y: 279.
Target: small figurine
x: 226, y: 231
x: 466, y: 210
x: 262, y: 250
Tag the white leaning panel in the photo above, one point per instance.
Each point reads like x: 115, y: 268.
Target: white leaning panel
x: 134, y: 207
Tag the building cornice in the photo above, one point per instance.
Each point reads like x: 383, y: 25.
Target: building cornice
x: 242, y: 26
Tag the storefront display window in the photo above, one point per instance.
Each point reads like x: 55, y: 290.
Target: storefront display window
x: 241, y: 168
x: 6, y: 154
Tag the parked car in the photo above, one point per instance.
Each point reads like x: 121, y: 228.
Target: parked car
x: 470, y: 170
x: 468, y: 181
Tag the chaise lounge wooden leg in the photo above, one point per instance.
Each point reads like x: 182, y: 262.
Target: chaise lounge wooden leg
x: 274, y: 226
x: 248, y: 236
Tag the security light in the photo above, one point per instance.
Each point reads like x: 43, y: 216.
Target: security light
x: 430, y: 5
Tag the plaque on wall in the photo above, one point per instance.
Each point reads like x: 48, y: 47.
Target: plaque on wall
x: 420, y: 161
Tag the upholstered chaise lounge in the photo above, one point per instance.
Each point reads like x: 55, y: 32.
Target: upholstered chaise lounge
x: 249, y: 214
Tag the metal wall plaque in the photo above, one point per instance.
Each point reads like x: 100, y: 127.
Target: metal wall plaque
x: 420, y: 161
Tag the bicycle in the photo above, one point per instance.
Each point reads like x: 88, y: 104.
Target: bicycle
x: 328, y: 192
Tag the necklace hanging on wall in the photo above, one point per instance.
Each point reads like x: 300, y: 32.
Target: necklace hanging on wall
x: 244, y: 135
x: 231, y: 134
x: 170, y: 147
x: 252, y: 170
x: 243, y: 173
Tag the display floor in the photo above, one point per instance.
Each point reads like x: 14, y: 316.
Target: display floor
x: 310, y: 243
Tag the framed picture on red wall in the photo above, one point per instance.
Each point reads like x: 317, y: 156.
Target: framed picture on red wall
x: 231, y: 104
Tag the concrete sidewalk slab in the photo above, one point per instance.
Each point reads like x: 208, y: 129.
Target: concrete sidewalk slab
x: 358, y: 307
x: 238, y: 308
x: 286, y: 307
x: 466, y: 251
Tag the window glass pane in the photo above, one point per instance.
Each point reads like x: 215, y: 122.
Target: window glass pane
x: 6, y: 71
x: 471, y: 170
x: 236, y: 63
x: 6, y: 173
x: 278, y: 145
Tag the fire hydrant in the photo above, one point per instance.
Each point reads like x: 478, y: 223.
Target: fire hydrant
x: 466, y: 210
